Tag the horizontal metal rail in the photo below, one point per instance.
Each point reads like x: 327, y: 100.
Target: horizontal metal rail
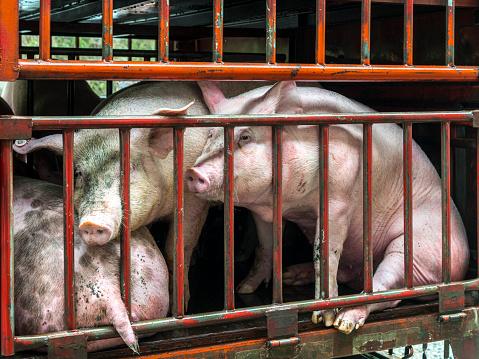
x: 17, y: 127
x: 138, y: 70
x: 36, y: 341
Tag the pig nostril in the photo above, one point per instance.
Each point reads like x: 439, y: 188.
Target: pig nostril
x: 201, y: 181
x: 100, y: 231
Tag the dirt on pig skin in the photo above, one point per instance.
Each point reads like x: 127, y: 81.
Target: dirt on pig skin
x: 39, y: 293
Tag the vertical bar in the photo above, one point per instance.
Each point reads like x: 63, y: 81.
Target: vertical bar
x: 408, y: 240
x: 70, y: 97
x: 320, y: 32
x: 178, y: 306
x: 277, y: 214
x: 107, y: 30
x: 9, y: 40
x: 365, y: 32
x: 218, y: 31
x: 367, y: 191
x: 229, y: 219
x: 322, y: 291
x: 109, y: 88
x: 68, y: 229
x: 7, y: 327
x: 271, y: 31
x: 125, y: 270
x: 450, y: 23
x: 446, y: 200
x: 477, y: 195
x: 408, y: 32
x: 45, y: 39
x: 163, y: 34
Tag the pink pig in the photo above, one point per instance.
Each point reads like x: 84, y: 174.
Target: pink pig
x: 253, y: 190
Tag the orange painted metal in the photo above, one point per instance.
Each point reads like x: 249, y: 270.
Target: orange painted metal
x: 9, y: 40
x: 450, y: 32
x: 407, y: 183
x: 367, y: 207
x: 321, y: 243
x: 107, y: 30
x: 163, y: 34
x: 218, y: 31
x: 271, y: 31
x: 98, y: 70
x: 446, y: 200
x: 320, y: 32
x: 228, y: 221
x: 45, y: 37
x: 366, y: 32
x: 408, y: 32
x: 277, y: 179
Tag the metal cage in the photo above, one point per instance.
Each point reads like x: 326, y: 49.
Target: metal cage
x: 455, y: 318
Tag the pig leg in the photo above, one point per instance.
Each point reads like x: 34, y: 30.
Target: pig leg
x: 299, y: 274
x: 389, y: 275
x: 263, y: 260
x: 195, y: 213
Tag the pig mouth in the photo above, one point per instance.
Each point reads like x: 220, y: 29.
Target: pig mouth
x: 211, y: 193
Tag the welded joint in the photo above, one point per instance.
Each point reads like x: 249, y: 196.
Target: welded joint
x: 475, y: 118
x: 449, y: 318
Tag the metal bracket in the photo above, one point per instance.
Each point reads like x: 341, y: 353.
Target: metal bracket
x: 67, y: 345
x: 451, y: 302
x: 15, y: 128
x: 282, y: 333
x: 475, y: 118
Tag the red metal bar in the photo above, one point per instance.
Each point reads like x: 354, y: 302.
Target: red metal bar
x: 229, y: 219
x: 277, y: 214
x: 68, y: 230
x: 477, y: 195
x: 271, y: 31
x: 164, y: 32
x: 171, y: 323
x: 367, y: 203
x: 450, y: 24
x: 218, y: 31
x: 324, y: 213
x: 408, y: 239
x: 408, y: 32
x: 178, y: 305
x: 125, y: 258
x: 7, y: 327
x: 9, y: 40
x: 365, y: 32
x: 45, y: 38
x: 107, y: 30
x: 446, y: 200
x: 98, y: 70
x: 55, y: 123
x: 320, y: 32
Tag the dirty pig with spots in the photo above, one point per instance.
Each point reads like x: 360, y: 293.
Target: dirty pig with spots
x: 300, y: 194
x: 39, y: 276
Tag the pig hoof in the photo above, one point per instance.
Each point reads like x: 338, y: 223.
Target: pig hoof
x: 317, y: 318
x: 135, y: 348
x: 245, y: 289
x: 20, y: 143
x: 344, y: 326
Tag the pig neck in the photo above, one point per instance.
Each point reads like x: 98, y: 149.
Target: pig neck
x: 300, y: 185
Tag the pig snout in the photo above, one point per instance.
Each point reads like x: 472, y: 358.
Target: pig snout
x: 197, y: 182
x: 93, y: 233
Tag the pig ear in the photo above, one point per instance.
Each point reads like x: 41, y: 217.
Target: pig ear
x: 173, y: 111
x: 282, y: 97
x: 213, y: 96
x: 52, y: 142
x: 160, y: 140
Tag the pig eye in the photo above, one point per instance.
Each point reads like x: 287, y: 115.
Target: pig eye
x: 245, y: 138
x: 78, y: 175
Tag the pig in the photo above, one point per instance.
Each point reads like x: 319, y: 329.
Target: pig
x: 50, y: 97
x: 253, y: 190
x: 38, y: 263
x: 97, y: 166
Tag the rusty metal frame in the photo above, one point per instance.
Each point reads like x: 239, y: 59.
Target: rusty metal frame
x: 13, y: 127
